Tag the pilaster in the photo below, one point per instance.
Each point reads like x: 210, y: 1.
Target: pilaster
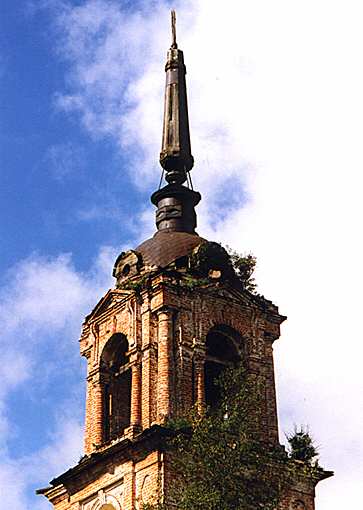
x: 199, y: 382
x: 136, y: 393
x: 164, y: 383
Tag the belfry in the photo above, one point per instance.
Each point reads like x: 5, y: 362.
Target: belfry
x: 155, y: 343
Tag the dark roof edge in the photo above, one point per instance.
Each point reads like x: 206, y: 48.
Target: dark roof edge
x: 90, y: 460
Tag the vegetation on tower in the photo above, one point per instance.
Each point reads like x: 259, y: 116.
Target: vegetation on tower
x: 220, y: 457
x: 244, y: 266
x: 301, y: 446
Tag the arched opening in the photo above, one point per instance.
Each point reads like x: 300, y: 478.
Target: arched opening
x: 116, y: 372
x: 221, y: 352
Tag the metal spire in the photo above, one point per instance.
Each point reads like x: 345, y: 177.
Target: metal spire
x: 173, y: 30
x: 175, y: 202
x: 175, y: 157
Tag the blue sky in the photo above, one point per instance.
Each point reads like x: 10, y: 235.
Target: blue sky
x: 45, y: 153
x: 275, y: 111
x: 53, y: 177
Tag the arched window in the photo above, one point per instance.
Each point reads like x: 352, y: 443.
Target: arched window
x: 221, y: 352
x: 116, y: 372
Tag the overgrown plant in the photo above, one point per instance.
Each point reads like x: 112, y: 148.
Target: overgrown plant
x: 301, y: 446
x: 244, y: 266
x: 136, y: 284
x: 191, y: 282
x: 221, y: 461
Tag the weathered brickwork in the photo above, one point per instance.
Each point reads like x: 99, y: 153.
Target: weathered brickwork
x: 302, y: 497
x: 119, y: 482
x: 165, y: 327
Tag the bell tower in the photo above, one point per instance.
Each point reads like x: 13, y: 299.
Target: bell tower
x: 154, y: 344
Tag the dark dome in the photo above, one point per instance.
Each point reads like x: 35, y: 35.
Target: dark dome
x: 165, y: 247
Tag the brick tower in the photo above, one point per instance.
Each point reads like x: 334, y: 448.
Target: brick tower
x: 155, y: 343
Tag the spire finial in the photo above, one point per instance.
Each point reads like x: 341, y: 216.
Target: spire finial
x: 175, y: 157
x: 173, y: 30
x: 174, y: 201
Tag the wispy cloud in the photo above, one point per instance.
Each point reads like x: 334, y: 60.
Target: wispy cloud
x: 17, y: 476
x: 65, y: 160
x: 43, y: 299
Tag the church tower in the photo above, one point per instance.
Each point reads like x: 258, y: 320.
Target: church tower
x: 155, y: 343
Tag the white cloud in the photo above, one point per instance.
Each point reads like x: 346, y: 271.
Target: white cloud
x: 276, y: 107
x: 16, y: 476
x: 64, y: 159
x: 42, y: 296
x: 13, y: 486
x: 34, y: 290
x: 47, y: 463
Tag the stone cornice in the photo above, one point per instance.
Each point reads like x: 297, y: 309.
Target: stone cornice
x: 150, y: 439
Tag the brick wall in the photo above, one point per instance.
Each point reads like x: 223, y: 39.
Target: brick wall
x: 166, y: 329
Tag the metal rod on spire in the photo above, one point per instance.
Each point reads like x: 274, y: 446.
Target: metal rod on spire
x: 175, y: 157
x: 173, y: 30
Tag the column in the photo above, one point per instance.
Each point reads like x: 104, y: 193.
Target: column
x: 88, y: 418
x: 97, y: 412
x: 272, y: 425
x: 165, y: 334
x: 199, y: 383
x: 135, y: 394
x: 148, y: 368
x: 199, y: 375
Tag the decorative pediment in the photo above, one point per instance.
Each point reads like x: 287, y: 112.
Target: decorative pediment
x: 230, y: 294
x: 111, y: 298
x: 245, y: 298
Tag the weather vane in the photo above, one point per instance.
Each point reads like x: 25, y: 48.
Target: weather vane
x: 173, y: 29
